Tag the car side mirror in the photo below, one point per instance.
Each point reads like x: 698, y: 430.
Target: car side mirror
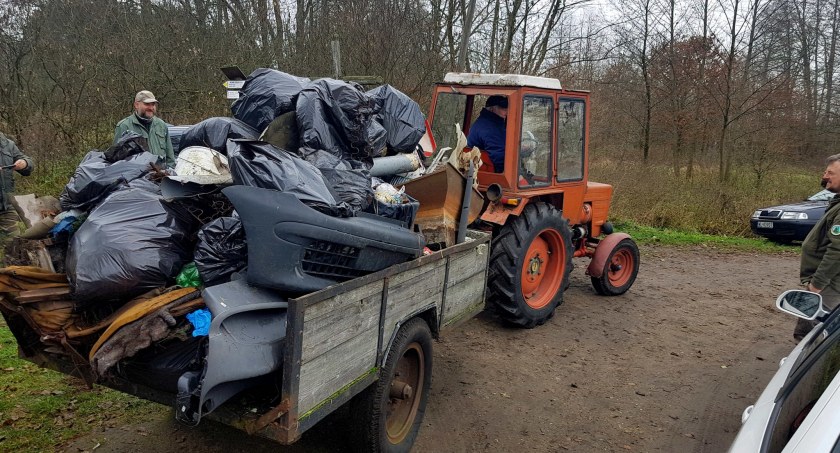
x: 800, y: 303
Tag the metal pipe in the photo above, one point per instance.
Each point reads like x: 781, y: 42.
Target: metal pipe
x: 392, y: 165
x: 465, y: 206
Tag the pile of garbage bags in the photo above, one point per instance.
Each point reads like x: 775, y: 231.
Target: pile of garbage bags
x: 132, y: 225
x: 286, y: 178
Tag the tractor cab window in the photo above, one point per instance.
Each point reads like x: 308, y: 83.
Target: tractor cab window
x: 535, y: 141
x: 449, y: 112
x: 488, y: 130
x: 570, y: 137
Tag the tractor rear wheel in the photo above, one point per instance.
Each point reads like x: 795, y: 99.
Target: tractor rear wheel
x: 530, y: 265
x: 621, y: 269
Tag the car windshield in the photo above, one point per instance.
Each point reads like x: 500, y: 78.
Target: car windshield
x: 823, y: 195
x: 826, y: 329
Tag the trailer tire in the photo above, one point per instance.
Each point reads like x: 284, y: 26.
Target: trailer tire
x: 386, y: 416
x: 530, y: 265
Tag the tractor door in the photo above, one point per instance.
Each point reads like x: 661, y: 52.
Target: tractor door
x: 535, y: 141
x: 571, y: 140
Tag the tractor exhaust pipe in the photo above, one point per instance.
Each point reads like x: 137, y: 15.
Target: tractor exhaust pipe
x: 494, y: 192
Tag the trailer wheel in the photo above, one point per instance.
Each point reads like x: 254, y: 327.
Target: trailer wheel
x: 530, y: 266
x: 622, y: 266
x: 388, y: 414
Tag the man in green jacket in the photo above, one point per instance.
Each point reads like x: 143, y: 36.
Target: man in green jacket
x: 819, y: 268
x: 144, y: 122
x: 11, y: 159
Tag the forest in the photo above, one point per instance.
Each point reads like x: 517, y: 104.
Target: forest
x: 701, y: 109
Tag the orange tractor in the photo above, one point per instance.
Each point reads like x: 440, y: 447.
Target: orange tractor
x: 542, y: 208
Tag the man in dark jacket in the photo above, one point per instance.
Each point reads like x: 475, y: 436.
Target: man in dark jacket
x: 819, y: 268
x: 488, y: 131
x: 144, y: 122
x: 11, y: 159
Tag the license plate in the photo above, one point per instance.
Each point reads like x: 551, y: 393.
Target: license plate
x: 765, y: 224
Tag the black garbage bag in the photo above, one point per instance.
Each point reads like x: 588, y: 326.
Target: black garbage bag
x: 335, y: 116
x: 402, y: 212
x: 221, y: 250
x: 214, y: 133
x: 350, y: 179
x: 161, y: 365
x: 129, y: 144
x: 266, y: 94
x: 96, y: 177
x: 131, y: 243
x: 260, y: 164
x: 378, y: 138
x: 400, y: 116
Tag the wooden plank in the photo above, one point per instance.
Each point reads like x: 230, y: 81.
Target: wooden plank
x: 324, y: 375
x: 466, y: 264
x: 42, y: 295
x: 348, y: 320
x: 411, y: 295
x: 464, y: 297
x: 328, y: 306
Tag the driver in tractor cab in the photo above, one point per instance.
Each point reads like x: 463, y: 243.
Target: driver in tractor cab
x: 488, y: 131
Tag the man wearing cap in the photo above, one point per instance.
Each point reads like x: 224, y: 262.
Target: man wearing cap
x: 488, y: 131
x: 144, y: 122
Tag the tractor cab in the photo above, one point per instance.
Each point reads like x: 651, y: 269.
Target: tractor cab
x: 545, y: 151
x: 534, y: 172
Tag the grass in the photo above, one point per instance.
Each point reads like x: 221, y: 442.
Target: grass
x: 41, y: 409
x: 665, y: 236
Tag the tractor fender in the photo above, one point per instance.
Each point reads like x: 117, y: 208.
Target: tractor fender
x: 602, y: 252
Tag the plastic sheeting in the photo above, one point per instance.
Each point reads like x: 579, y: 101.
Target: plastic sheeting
x: 350, y: 179
x: 214, y: 133
x: 266, y: 94
x: 131, y: 243
x: 221, y: 250
x: 95, y: 178
x: 335, y: 116
x: 400, y: 116
x: 260, y: 164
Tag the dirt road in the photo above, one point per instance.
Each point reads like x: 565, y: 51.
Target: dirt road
x: 667, y: 367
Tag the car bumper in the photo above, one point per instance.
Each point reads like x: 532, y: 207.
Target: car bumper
x: 794, y: 230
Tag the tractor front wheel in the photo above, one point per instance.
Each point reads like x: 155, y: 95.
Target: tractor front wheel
x: 530, y: 265
x: 620, y: 270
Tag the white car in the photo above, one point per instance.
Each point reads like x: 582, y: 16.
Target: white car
x: 799, y: 411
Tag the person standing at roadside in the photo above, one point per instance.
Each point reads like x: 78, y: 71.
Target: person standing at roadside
x: 144, y: 122
x: 11, y: 159
x: 819, y: 269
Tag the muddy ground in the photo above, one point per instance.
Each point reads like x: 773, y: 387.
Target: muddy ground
x: 667, y: 367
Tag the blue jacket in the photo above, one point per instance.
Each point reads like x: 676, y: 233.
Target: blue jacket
x: 488, y: 134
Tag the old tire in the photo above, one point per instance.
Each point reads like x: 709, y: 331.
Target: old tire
x: 620, y: 270
x: 530, y: 266
x: 388, y: 414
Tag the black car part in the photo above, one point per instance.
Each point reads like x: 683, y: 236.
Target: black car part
x: 245, y: 345
x: 294, y: 248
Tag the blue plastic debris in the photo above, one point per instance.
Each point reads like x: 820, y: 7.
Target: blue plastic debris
x: 200, y: 319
